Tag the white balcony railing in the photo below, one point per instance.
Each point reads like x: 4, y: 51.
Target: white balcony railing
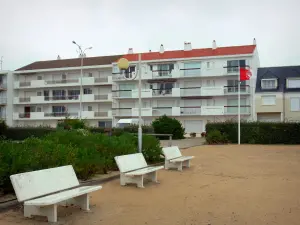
x: 3, y: 101
x: 61, y: 115
x: 183, y: 111
x: 63, y: 98
x: 63, y: 82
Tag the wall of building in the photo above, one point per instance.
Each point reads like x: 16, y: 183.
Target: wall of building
x: 260, y: 108
x: 288, y: 114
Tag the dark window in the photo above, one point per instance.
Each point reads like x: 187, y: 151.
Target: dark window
x: 87, y: 91
x: 105, y: 124
x: 233, y: 65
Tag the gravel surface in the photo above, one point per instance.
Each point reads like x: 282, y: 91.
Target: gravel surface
x: 247, y: 184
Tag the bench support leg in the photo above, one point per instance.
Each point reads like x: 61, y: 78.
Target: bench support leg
x: 83, y: 202
x: 49, y: 211
x: 138, y: 180
x: 153, y: 176
x: 187, y: 163
x: 173, y: 165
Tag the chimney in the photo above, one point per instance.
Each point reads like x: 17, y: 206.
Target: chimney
x: 58, y: 57
x: 214, y: 44
x: 254, y: 41
x: 130, y: 51
x: 150, y: 50
x: 161, y: 50
x: 187, y: 46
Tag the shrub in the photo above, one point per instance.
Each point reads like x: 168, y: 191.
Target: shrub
x: 167, y: 125
x: 3, y: 127
x: 193, y: 134
x: 203, y: 134
x: 68, y: 124
x: 21, y: 133
x: 259, y: 132
x: 215, y: 137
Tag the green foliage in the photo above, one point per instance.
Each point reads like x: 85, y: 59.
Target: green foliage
x: 259, y: 132
x: 215, y: 137
x: 116, y: 131
x: 21, y: 133
x: 168, y: 125
x: 89, y: 153
x: 68, y: 124
x: 3, y: 127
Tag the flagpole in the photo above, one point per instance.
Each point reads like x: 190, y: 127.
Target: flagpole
x: 239, y: 109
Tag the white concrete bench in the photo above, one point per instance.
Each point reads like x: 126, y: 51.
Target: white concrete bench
x: 38, y: 189
x: 133, y: 169
x: 174, y: 159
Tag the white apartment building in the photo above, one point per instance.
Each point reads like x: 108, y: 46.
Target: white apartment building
x: 6, y: 96
x: 192, y: 85
x: 48, y: 91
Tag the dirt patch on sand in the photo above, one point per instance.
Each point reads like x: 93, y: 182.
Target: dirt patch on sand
x: 248, y: 184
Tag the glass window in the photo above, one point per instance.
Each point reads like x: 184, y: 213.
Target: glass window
x: 232, y: 105
x: 269, y: 100
x: 90, y: 108
x: 295, y: 104
x: 232, y: 86
x: 87, y: 91
x: 233, y: 65
x: 192, y: 68
x: 268, y: 83
x: 105, y: 124
x: 293, y: 83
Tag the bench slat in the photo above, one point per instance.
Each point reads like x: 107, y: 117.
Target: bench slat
x: 144, y: 171
x: 130, y: 162
x: 34, y: 184
x: 171, y: 152
x: 181, y: 159
x: 62, y: 196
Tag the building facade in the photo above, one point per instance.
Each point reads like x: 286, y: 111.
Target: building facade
x: 48, y: 91
x: 278, y: 94
x: 6, y: 95
x: 194, y: 86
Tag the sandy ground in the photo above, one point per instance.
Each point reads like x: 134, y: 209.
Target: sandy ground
x: 250, y: 184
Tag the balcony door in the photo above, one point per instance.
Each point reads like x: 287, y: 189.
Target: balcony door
x: 125, y: 90
x: 233, y: 105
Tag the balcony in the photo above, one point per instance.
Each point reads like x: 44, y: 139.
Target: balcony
x: 63, y: 99
x: 62, y: 115
x: 3, y: 101
x: 63, y: 82
x: 3, y: 86
x: 183, y: 111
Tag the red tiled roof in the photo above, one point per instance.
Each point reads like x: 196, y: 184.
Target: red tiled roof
x: 105, y: 60
x: 204, y: 52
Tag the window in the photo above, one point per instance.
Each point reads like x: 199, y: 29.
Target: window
x: 58, y: 94
x: 39, y: 93
x: 73, y: 94
x: 166, y: 88
x: 87, y: 91
x: 90, y: 108
x: 39, y: 77
x: 115, y: 69
x: 232, y: 86
x: 39, y: 109
x: 295, y: 104
x: 64, y: 76
x: 207, y: 65
x: 268, y: 100
x: 90, y: 74
x: 233, y: 65
x: 293, y: 83
x: 232, y: 105
x: 105, y: 124
x: 164, y: 69
x: 58, y: 110
x: 269, y: 83
x: 192, y: 68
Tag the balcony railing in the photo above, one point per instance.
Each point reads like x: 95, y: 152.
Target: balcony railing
x: 24, y: 115
x: 27, y: 99
x: 63, y: 81
x: 61, y: 97
x: 190, y: 110
x: 61, y: 114
x: 25, y: 84
x: 160, y: 111
x: 101, y: 97
x: 3, y: 101
x: 191, y: 72
x: 122, y: 111
x: 101, y: 80
x: 100, y: 114
x: 162, y: 92
x: 2, y: 86
x: 161, y: 73
x: 244, y: 109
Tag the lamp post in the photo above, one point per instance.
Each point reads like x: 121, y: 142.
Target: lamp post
x: 123, y: 64
x: 81, y: 52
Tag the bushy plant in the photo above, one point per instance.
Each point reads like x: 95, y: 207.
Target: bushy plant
x: 21, y: 133
x: 3, y: 127
x: 216, y: 137
x: 68, y: 124
x: 168, y: 125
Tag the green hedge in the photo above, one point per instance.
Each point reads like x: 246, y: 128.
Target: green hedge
x: 88, y: 153
x: 258, y: 132
x: 168, y: 125
x: 21, y: 133
x: 115, y: 131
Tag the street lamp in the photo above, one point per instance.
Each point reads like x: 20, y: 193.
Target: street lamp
x: 123, y: 64
x: 81, y: 52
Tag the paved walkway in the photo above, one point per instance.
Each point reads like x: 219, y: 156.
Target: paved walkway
x: 184, y: 143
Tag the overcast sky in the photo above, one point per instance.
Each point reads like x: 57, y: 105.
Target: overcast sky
x: 34, y: 30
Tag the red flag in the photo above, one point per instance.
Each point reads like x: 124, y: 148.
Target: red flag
x: 245, y: 74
